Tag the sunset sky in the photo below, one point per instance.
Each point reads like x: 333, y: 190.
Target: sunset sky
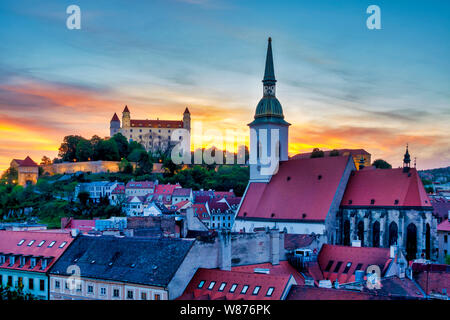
x: 340, y: 84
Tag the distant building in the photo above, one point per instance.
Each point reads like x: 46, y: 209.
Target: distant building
x: 443, y: 235
x: 22, y: 226
x: 182, y: 194
x: 154, y: 135
x: 28, y: 171
x: 27, y: 256
x: 97, y: 190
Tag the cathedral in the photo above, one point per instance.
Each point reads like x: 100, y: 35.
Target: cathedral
x: 331, y: 196
x: 154, y: 135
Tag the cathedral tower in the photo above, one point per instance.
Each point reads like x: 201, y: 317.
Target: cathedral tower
x: 187, y: 119
x: 268, y: 131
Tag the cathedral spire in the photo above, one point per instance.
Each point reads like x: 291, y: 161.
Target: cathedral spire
x: 406, y: 160
x: 269, y: 73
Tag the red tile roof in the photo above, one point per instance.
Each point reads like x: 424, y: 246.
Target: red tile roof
x: 313, y: 293
x: 82, y: 225
x: 126, y: 109
x: 444, y: 226
x: 27, y: 162
x: 157, y: 123
x: 434, y: 282
x: 119, y: 189
x: 166, y: 189
x: 200, y: 211
x: 279, y: 283
x: 9, y: 244
x: 222, y: 194
x: 202, y: 199
x: 294, y: 241
x: 315, y: 179
x: 284, y: 268
x: 387, y: 187
x: 179, y: 205
x: 337, y: 257
x: 181, y: 192
x: 218, y: 205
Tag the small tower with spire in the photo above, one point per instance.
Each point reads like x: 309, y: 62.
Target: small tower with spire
x: 126, y: 118
x: 114, y: 125
x: 406, y: 160
x: 268, y: 116
x: 187, y: 119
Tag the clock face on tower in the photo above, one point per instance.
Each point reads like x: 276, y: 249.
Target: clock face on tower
x: 269, y: 90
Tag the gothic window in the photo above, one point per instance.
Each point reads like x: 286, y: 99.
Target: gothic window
x: 393, y: 233
x: 411, y: 242
x: 376, y: 234
x: 346, y: 240
x: 428, y: 242
x: 361, y: 232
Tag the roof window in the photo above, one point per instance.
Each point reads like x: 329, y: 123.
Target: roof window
x: 347, y: 267
x: 233, y: 288
x: 329, y: 265
x: 319, y: 177
x: 350, y: 201
x: 222, y: 286
x: 270, y: 292
x: 358, y: 267
x: 372, y: 201
x: 41, y: 243
x: 244, y: 289
x: 30, y: 243
x: 396, y: 201
x: 201, y: 283
x: 20, y: 242
x: 256, y: 290
x: 63, y: 244
x: 211, y: 285
x: 51, y: 244
x: 338, y: 266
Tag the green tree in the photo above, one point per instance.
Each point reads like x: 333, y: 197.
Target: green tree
x: 317, y: 153
x: 84, y: 150
x: 108, y: 150
x: 125, y: 166
x: 122, y: 144
x: 381, y: 164
x: 334, y: 153
x: 447, y: 259
x: 68, y: 149
x: 143, y: 160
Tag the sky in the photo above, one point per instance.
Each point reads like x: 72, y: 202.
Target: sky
x: 341, y: 85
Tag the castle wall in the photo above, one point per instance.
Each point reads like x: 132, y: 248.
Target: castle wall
x: 88, y: 166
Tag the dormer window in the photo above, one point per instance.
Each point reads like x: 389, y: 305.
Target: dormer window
x: 21, y: 242
x: 43, y: 263
x: 32, y: 263
x: 12, y: 260
x: 2, y: 259
x: 22, y: 261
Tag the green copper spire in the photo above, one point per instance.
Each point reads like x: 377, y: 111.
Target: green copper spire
x: 269, y: 73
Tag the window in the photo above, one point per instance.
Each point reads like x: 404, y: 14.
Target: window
x: 233, y: 288
x: 41, y: 285
x: 445, y: 239
x: 200, y: 285
x: 338, y: 266
x: 222, y: 286
x: 329, y: 265
x: 66, y: 285
x: 12, y: 260
x: 143, y: 296
x: 41, y: 243
x: 157, y: 297
x: 90, y: 289
x: 244, y: 289
x: 63, y: 244
x: 103, y: 291
x: 256, y: 290
x: 129, y: 294
x: 358, y: 267
x: 116, y: 293
x: 32, y: 263
x: 269, y: 292
x: 211, y: 285
x: 347, y: 267
x: 57, y: 284
x: 20, y: 242
x: 30, y: 243
x: 51, y: 244
x: 10, y: 281
x: 79, y: 287
x: 31, y: 284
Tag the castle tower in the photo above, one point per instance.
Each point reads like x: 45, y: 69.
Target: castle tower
x: 114, y: 125
x: 126, y: 119
x: 268, y: 116
x: 187, y: 119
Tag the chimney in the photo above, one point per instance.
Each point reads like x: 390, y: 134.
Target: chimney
x: 275, y: 246
x: 225, y: 250
x: 393, y: 252
x: 359, y: 276
x: 75, y: 232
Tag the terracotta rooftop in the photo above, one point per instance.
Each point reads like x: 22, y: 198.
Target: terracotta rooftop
x: 385, y: 187
x: 157, y: 123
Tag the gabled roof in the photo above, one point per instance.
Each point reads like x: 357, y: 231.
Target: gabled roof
x: 10, y: 244
x: 201, y: 199
x: 386, y: 187
x: 131, y: 260
x: 27, y: 162
x: 333, y: 261
x: 166, y: 189
x: 157, y: 123
x: 220, y: 206
x: 120, y: 188
x: 444, y: 226
x: 198, y: 193
x: 223, y: 194
x: 234, y: 201
x: 177, y: 206
x: 303, y: 189
x: 200, y: 211
x: 279, y: 284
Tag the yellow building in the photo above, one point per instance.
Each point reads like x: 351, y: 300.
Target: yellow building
x: 28, y: 171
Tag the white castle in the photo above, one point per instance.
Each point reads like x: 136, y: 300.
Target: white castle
x: 154, y: 135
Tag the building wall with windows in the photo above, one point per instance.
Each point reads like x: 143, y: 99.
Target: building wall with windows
x: 66, y: 288
x: 31, y: 282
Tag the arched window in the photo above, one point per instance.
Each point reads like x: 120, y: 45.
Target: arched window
x: 428, y: 242
x: 376, y: 234
x: 393, y: 233
x: 411, y: 242
x: 346, y: 238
